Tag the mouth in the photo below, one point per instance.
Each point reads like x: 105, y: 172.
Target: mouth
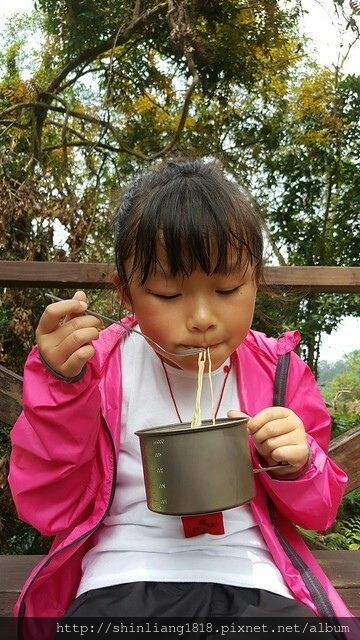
x: 184, y: 347
x: 204, y: 347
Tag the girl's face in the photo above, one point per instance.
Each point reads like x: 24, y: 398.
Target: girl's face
x: 200, y: 310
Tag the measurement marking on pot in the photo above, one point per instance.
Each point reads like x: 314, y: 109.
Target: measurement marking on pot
x: 160, y: 470
x: 160, y: 441
x: 158, y: 454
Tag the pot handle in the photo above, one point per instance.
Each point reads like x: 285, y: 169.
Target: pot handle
x: 275, y: 466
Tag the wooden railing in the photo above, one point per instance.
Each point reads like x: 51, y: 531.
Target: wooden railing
x: 98, y: 276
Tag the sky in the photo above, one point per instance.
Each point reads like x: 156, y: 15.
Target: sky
x: 344, y: 340
x: 320, y: 23
x: 8, y: 8
x: 327, y: 46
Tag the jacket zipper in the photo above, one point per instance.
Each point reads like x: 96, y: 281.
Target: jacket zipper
x: 280, y: 380
x: 312, y: 583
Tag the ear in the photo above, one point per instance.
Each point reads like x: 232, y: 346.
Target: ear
x: 121, y: 292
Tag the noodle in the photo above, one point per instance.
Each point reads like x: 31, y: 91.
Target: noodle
x: 196, y: 421
x: 211, y: 389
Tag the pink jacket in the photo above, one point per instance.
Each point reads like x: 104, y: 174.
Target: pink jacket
x: 63, y: 472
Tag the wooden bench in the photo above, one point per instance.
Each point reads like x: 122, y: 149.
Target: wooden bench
x: 342, y: 567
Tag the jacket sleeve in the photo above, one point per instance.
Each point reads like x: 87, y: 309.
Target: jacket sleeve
x: 312, y: 499
x: 53, y: 447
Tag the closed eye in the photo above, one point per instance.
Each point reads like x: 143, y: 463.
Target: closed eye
x: 166, y: 297
x: 228, y: 292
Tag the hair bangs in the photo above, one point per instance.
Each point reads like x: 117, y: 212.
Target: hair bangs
x: 187, y: 216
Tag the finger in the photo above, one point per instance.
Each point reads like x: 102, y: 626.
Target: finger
x: 270, y: 445
x: 51, y: 344
x: 69, y: 357
x: 271, y: 430
x: 272, y: 413
x: 80, y: 296
x: 233, y: 413
x: 296, y: 455
x: 61, y: 350
x: 78, y: 323
x: 54, y: 312
x: 252, y: 427
x: 75, y: 363
x: 269, y: 416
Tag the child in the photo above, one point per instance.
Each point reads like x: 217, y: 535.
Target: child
x: 189, y: 262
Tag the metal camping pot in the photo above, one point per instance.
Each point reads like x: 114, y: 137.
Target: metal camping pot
x: 194, y: 470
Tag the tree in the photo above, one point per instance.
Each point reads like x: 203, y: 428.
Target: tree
x: 298, y: 148
x: 105, y: 97
x: 343, y: 391
x: 316, y: 172
x: 114, y: 85
x: 102, y: 99
x: 153, y: 61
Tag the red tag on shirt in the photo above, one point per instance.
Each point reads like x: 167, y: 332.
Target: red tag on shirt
x: 207, y: 523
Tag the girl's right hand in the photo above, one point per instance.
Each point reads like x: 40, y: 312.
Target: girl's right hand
x: 64, y: 333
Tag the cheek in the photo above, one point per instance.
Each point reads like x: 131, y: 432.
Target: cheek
x: 155, y: 323
x: 242, y: 317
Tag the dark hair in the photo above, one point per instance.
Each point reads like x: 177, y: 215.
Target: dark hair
x: 200, y: 217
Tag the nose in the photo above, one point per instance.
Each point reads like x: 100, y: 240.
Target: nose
x: 202, y: 316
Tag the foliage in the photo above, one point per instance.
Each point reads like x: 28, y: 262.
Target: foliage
x: 346, y: 536
x: 328, y: 370
x: 32, y: 211
x: 147, y: 69
x: 345, y: 532
x: 93, y: 110
x: 93, y: 92
x: 104, y: 97
x: 342, y: 391
x: 310, y: 167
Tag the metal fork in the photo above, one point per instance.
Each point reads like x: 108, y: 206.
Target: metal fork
x: 182, y: 352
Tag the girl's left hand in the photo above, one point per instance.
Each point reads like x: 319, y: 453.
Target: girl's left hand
x: 279, y: 436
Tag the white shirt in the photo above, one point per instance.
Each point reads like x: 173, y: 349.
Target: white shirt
x: 136, y: 544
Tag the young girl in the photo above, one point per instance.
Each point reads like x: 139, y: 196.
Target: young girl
x: 189, y: 261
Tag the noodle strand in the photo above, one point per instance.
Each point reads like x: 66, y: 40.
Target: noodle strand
x: 203, y: 356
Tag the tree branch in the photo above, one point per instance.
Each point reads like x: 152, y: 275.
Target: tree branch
x: 45, y: 98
